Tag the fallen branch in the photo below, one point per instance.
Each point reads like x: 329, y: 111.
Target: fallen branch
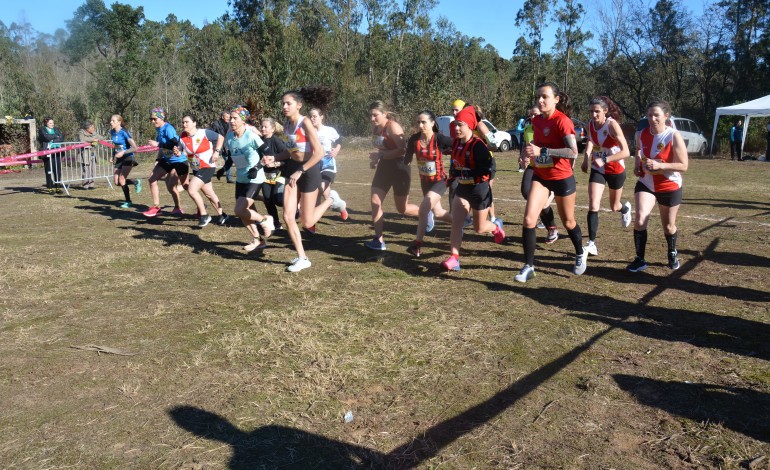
x: 103, y: 349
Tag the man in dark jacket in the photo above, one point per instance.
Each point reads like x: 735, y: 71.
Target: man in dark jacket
x: 49, y: 137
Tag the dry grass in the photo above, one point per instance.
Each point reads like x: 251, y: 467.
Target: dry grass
x: 243, y: 365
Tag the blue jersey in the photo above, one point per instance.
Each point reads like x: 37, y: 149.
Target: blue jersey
x: 120, y: 140
x: 245, y: 152
x: 167, y: 140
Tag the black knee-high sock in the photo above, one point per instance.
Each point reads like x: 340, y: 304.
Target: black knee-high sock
x: 576, y: 235
x: 546, y: 216
x: 671, y: 240
x: 640, y: 242
x: 130, y: 182
x: 126, y: 193
x: 529, y: 238
x: 593, y: 224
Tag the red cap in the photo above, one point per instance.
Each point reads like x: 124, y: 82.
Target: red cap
x: 468, y: 116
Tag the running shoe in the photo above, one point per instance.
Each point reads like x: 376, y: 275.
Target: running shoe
x: 268, y: 226
x: 540, y: 224
x: 414, y: 249
x: 256, y: 244
x: 138, y: 185
x: 311, y: 230
x: 222, y: 219
x: 499, y: 232
x: 673, y: 261
x: 431, y: 222
x: 344, y: 212
x: 126, y: 205
x: 451, y: 264
x: 177, y: 211
x: 298, y: 265
x: 526, y: 273
x: 580, y: 263
x: 638, y: 264
x: 468, y: 221
x: 625, y: 218
x: 591, y: 248
x: 375, y: 244
x: 152, y: 211
x: 553, y: 235
x: 204, y: 221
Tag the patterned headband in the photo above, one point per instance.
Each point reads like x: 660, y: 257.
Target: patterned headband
x: 159, y: 113
x: 242, y: 112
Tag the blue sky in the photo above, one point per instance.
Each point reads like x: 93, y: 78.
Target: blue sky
x: 492, y: 20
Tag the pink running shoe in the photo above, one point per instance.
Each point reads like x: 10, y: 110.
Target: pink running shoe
x: 499, y: 232
x: 451, y: 264
x: 151, y: 212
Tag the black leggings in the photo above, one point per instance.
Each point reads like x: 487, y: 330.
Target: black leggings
x: 273, y: 194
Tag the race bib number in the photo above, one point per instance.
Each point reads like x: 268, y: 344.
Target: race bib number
x: 544, y: 161
x: 195, y: 163
x: 427, y: 168
x: 466, y: 176
x: 272, y: 176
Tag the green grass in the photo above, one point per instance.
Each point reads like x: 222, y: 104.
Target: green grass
x: 240, y: 364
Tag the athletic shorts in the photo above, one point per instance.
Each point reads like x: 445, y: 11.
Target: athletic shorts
x: 560, y: 188
x: 309, y: 181
x: 478, y: 195
x: 125, y: 161
x: 438, y: 187
x: 393, y: 173
x: 615, y: 181
x: 667, y: 198
x: 204, y: 174
x: 247, y: 190
x: 328, y: 176
x: 182, y: 168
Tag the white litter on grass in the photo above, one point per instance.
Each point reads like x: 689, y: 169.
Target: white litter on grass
x: 349, y: 417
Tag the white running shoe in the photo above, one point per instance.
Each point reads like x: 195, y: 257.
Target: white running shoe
x: 268, y: 226
x: 553, y: 235
x: 591, y: 248
x: 540, y: 224
x: 526, y: 273
x: 625, y: 219
x: 580, y: 263
x: 298, y: 264
x: 431, y: 222
x: 336, y: 204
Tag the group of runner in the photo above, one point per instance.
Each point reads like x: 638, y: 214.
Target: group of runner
x: 298, y: 175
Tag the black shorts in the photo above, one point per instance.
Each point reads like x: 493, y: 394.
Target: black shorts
x: 204, y: 174
x: 394, y: 174
x: 309, y: 181
x: 668, y: 198
x: 613, y: 181
x: 125, y: 161
x: 328, y: 176
x: 247, y: 190
x: 479, y: 195
x: 182, y: 168
x: 438, y: 187
x: 560, y: 188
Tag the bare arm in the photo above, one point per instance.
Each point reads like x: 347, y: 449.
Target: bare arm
x: 396, y: 134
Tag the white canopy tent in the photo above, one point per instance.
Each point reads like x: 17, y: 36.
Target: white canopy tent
x: 759, y: 107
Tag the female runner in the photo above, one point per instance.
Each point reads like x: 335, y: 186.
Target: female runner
x: 175, y: 166
x: 428, y: 145
x: 391, y: 171
x: 552, y: 152
x: 472, y: 168
x: 329, y: 139
x: 607, y: 148
x: 272, y: 188
x: 663, y: 157
x: 123, y: 158
x: 245, y: 147
x: 303, y: 167
x: 203, y: 147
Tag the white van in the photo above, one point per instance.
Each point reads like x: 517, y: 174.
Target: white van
x: 502, y: 138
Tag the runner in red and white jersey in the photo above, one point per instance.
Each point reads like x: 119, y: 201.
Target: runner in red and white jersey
x: 552, y: 152
x: 663, y: 155
x: 202, y: 147
x: 605, y: 151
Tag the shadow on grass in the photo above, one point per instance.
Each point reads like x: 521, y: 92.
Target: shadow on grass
x: 278, y: 446
x: 740, y: 409
x: 729, y: 204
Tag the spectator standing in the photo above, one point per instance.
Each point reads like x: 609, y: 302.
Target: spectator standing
x: 88, y: 155
x: 49, y: 138
x: 736, y: 140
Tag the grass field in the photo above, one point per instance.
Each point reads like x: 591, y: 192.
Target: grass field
x: 228, y: 361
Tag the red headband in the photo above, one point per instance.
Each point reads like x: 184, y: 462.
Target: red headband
x: 468, y: 116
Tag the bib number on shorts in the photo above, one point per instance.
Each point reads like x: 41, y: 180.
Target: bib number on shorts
x: 544, y: 161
